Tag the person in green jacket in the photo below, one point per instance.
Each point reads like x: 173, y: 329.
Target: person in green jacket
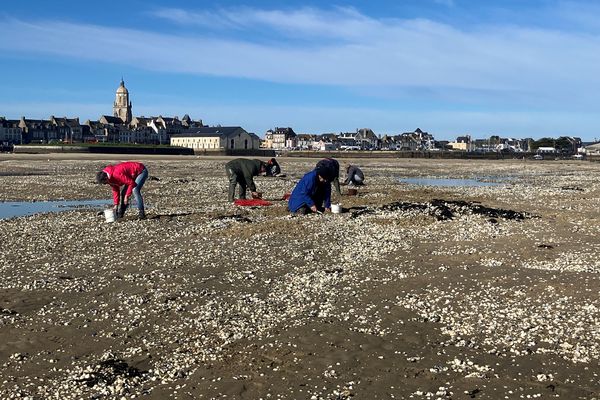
x: 241, y: 171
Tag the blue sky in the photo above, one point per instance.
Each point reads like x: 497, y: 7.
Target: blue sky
x: 450, y: 67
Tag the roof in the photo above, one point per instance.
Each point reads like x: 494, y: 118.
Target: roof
x: 64, y: 121
x: 306, y: 136
x: 288, y: 132
x: 36, y: 123
x: 112, y: 120
x: 122, y: 88
x: 93, y: 123
x: 331, y: 136
x: 9, y: 123
x: 211, y: 131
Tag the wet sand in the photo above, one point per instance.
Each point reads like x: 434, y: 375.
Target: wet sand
x: 414, y: 292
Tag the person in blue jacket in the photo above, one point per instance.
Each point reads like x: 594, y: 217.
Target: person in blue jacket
x: 312, y: 193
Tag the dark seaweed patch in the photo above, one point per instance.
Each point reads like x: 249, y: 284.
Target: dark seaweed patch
x: 108, y: 371
x: 443, y: 210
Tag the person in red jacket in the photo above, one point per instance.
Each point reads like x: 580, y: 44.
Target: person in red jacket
x: 124, y: 179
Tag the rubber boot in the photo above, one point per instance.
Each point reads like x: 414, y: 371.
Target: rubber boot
x: 121, y: 210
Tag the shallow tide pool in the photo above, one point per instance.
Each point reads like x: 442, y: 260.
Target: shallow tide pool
x: 11, y: 209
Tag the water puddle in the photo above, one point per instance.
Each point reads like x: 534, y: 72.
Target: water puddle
x: 11, y: 209
x: 448, y: 182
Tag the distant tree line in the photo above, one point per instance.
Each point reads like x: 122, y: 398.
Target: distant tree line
x: 563, y: 143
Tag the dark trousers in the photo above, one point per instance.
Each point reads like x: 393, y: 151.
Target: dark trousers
x: 234, y: 180
x: 319, y: 197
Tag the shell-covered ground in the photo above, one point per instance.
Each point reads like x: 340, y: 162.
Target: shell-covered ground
x: 421, y: 292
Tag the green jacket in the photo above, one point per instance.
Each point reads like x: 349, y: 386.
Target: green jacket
x: 246, y: 168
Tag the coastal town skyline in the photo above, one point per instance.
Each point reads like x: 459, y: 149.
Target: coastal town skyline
x: 440, y: 65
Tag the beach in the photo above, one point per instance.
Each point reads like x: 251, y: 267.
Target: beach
x: 486, y: 289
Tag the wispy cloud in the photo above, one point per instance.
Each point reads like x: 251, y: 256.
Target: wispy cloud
x: 305, y: 23
x: 341, y: 47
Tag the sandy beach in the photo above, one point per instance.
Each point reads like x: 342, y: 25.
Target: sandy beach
x: 414, y: 292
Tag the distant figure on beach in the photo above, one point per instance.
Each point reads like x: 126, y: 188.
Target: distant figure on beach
x: 312, y: 193
x: 273, y: 168
x: 241, y: 171
x: 354, y: 176
x: 124, y: 179
x: 332, y: 169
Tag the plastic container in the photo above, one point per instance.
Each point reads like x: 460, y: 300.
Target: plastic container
x: 109, y: 215
x: 336, y: 208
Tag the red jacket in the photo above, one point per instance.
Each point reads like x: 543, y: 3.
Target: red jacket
x: 123, y: 174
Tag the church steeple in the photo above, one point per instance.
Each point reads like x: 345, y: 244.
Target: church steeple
x: 122, y: 105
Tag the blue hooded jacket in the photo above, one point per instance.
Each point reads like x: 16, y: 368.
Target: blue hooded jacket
x: 305, y: 192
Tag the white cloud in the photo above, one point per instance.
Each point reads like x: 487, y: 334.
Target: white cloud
x: 306, y: 23
x: 337, y: 47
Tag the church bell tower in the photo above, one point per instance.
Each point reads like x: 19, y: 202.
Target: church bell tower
x: 122, y: 105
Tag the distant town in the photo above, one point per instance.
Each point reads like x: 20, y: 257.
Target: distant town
x: 122, y: 128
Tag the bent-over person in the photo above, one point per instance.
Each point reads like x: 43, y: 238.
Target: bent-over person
x: 124, y: 179
x: 241, y: 171
x: 330, y: 167
x: 311, y: 194
x: 354, y: 176
x: 273, y: 168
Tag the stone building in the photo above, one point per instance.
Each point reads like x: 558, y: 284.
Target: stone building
x: 68, y: 129
x: 217, y: 138
x: 122, y: 105
x: 281, y: 138
x: 10, y: 132
x: 38, y: 130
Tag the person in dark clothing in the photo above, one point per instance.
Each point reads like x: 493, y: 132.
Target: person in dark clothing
x: 241, y: 171
x: 311, y: 194
x: 354, y: 176
x: 273, y: 168
x: 331, y: 168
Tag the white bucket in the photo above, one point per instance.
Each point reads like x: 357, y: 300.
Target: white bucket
x: 109, y: 215
x: 336, y: 208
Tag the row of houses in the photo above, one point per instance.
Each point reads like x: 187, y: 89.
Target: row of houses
x: 362, y: 139
x: 183, y: 132
x: 418, y: 140
x: 563, y: 145
x: 123, y: 127
x: 141, y: 130
x: 194, y: 134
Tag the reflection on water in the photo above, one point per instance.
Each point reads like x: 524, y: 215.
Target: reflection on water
x: 10, y: 209
x: 447, y: 182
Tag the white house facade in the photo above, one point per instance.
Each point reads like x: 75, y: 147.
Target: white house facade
x: 217, y: 138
